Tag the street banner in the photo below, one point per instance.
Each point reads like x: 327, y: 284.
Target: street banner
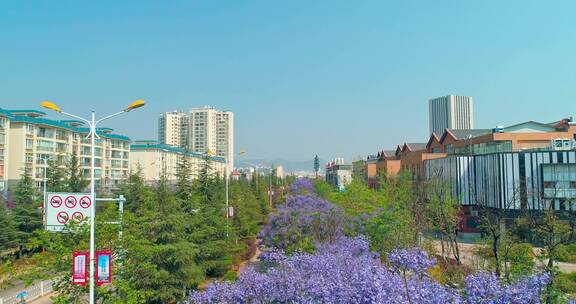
x: 103, y: 267
x: 230, y: 211
x: 80, y: 268
x: 63, y: 208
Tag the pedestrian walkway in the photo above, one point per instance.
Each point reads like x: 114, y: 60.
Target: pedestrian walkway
x: 30, y: 293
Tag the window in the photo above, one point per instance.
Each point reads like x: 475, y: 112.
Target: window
x: 573, y: 184
x: 116, y: 163
x: 46, y: 133
x: 29, y: 129
x: 29, y: 157
x: 40, y: 172
x: 116, y: 154
x: 45, y: 145
x: 41, y: 158
x: 29, y: 143
x: 61, y: 135
x: 85, y: 161
x: 61, y: 147
x: 3, y: 122
x: 550, y: 185
x: 86, y: 150
x: 562, y: 203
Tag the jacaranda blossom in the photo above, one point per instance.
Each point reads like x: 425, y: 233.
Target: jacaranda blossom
x: 344, y: 270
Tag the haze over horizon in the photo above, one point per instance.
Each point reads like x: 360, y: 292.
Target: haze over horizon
x: 333, y: 78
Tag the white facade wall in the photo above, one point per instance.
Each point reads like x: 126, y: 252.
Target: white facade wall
x: 4, y: 151
x: 212, y: 130
x: 173, y: 129
x: 155, y: 161
x: 32, y: 142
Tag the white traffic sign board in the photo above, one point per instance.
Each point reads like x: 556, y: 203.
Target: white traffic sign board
x: 61, y: 208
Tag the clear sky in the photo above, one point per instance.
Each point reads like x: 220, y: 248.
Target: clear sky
x: 334, y: 78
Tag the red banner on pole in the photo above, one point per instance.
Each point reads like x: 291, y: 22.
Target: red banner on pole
x: 103, y: 267
x: 80, y: 268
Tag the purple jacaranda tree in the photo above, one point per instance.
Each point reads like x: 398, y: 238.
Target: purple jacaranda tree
x: 344, y: 270
x: 302, y: 186
x: 302, y: 217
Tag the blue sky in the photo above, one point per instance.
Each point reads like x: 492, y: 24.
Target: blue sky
x: 334, y: 78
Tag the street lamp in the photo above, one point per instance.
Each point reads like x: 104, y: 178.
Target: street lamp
x: 92, y: 123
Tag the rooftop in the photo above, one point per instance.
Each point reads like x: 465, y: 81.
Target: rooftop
x: 33, y: 117
x: 152, y: 145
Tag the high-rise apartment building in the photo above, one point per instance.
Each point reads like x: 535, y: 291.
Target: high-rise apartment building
x: 173, y: 129
x: 451, y: 112
x: 212, y: 130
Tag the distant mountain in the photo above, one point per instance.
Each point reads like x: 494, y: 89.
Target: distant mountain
x: 289, y: 165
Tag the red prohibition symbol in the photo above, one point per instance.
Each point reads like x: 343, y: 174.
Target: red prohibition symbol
x: 77, y: 217
x: 70, y: 202
x: 56, y: 201
x: 85, y: 202
x: 62, y: 217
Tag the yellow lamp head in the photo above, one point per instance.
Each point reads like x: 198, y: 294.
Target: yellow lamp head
x: 137, y: 104
x: 242, y: 152
x: 51, y: 106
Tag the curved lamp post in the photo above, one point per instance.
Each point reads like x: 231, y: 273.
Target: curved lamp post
x: 92, y: 123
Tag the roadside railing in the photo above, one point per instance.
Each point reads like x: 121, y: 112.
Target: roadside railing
x: 33, y: 292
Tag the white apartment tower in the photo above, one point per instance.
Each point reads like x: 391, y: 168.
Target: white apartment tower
x: 173, y: 129
x: 452, y: 112
x: 212, y: 130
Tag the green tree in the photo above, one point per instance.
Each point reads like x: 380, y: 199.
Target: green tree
x: 160, y: 264
x: 184, y: 183
x: 75, y: 181
x: 27, y: 216
x: 316, y: 165
x: 247, y: 215
x: 443, y: 212
x: 56, y: 177
x: 8, y: 232
x: 208, y: 227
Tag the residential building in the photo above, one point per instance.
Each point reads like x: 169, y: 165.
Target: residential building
x: 154, y: 159
x: 173, y: 129
x: 338, y: 173
x: 452, y: 112
x: 30, y: 140
x: 212, y: 130
x: 4, y: 148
